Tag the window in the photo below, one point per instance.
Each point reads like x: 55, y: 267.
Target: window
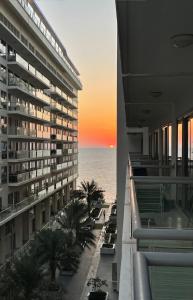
x: 33, y: 225
x: 3, y: 150
x: 3, y: 125
x: 3, y: 100
x: 2, y: 48
x: 3, y: 74
x: 43, y: 217
x: 8, y: 228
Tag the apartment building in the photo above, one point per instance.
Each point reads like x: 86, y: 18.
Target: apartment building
x: 38, y: 129
x: 154, y: 251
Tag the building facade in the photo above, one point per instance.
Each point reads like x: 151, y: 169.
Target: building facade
x: 38, y: 130
x: 154, y: 157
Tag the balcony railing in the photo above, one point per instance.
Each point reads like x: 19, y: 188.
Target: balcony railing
x: 29, y: 133
x: 24, y: 154
x: 25, y: 176
x: 19, y: 131
x: 150, y: 248
x: 58, y: 94
x: 51, y: 39
x: 36, y: 94
x: 9, y: 212
x: 162, y: 211
x: 45, y: 116
x: 30, y: 70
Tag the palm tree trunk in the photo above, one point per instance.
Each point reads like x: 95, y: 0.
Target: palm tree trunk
x: 89, y: 206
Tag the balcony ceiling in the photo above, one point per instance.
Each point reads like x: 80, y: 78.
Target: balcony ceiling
x: 150, y: 62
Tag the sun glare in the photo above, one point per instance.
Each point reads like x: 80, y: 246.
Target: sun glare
x: 111, y: 146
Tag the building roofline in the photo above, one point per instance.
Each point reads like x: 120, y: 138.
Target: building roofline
x: 42, y: 16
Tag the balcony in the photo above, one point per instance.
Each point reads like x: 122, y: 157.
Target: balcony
x: 57, y: 94
x: 19, y: 132
x: 56, y: 152
x: 62, y: 110
x: 157, y: 232
x: 28, y: 155
x: 13, y: 36
x: 21, y: 67
x: 16, y: 179
x: 30, y: 114
x: 26, y: 133
x: 21, y: 89
x: 70, y: 138
x: 13, y: 210
x: 58, y: 167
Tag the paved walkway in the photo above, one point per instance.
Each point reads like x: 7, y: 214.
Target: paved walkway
x: 92, y: 264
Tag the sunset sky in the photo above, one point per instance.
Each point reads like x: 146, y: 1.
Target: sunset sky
x: 87, y: 29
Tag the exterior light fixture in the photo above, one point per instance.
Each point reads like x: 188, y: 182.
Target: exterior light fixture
x: 182, y: 40
x: 146, y: 111
x: 156, y: 94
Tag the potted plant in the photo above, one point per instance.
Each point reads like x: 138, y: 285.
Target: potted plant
x: 107, y: 248
x: 97, y: 293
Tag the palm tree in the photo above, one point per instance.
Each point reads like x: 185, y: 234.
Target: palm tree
x: 52, y: 248
x: 72, y: 220
x: 91, y: 193
x: 22, y: 278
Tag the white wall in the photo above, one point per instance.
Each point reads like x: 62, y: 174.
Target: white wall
x: 135, y: 142
x: 135, y: 137
x: 122, y: 160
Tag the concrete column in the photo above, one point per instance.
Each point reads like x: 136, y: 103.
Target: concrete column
x: 47, y: 210
x: 38, y: 216
x: 174, y: 148
x: 2, y: 244
x: 122, y: 160
x: 160, y: 149
x: 145, y: 141
x: 25, y: 226
x: 185, y: 147
x: 68, y: 192
x: 18, y: 231
x: 54, y: 203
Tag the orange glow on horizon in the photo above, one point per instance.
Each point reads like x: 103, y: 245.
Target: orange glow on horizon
x: 97, y: 113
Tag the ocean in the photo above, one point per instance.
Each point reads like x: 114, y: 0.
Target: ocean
x: 99, y: 164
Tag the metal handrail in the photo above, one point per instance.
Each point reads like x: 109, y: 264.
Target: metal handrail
x: 155, y: 233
